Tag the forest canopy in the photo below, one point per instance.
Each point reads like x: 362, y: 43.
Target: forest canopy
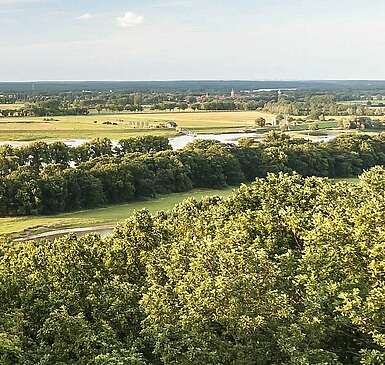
x: 288, y: 270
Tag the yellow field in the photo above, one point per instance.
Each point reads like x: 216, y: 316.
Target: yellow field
x: 11, y: 106
x: 84, y: 127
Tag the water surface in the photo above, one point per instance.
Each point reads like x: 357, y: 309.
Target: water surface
x: 176, y: 142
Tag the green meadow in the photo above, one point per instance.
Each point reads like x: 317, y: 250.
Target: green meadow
x: 108, y: 215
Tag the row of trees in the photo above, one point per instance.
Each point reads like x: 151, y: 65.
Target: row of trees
x: 40, y: 154
x: 211, y: 105
x: 238, y: 104
x: 288, y: 270
x: 105, y: 178
x: 53, y: 106
x: 58, y: 106
x: 318, y: 106
x: 43, y: 178
x: 361, y: 123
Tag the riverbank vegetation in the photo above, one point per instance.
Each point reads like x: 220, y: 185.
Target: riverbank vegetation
x: 288, y: 270
x: 50, y: 179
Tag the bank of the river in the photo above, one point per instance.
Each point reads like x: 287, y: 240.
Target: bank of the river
x: 97, y: 219
x: 178, y: 142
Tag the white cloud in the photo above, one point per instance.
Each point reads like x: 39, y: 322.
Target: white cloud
x: 129, y: 19
x: 85, y: 16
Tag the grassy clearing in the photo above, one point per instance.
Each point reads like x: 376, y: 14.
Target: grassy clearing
x: 100, y: 216
x: 84, y: 127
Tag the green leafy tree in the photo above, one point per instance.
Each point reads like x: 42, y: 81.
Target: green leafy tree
x: 260, y: 122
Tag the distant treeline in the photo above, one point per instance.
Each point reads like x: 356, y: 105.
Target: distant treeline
x: 54, y: 106
x: 45, y: 178
x: 317, y: 106
x: 186, y: 85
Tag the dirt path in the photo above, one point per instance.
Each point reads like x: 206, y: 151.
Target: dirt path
x: 64, y: 231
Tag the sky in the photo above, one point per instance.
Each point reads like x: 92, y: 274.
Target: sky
x: 191, y: 39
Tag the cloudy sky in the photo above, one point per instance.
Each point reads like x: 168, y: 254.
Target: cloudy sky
x: 191, y: 39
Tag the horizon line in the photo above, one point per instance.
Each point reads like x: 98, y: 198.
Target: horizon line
x: 192, y: 80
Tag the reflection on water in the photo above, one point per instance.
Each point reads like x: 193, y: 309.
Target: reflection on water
x: 176, y: 142
x: 182, y: 141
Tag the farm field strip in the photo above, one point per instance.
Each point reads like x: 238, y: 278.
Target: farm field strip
x: 15, y: 106
x: 85, y: 126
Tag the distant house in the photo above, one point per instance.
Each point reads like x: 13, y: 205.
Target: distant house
x: 171, y: 124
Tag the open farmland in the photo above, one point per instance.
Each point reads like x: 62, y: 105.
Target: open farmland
x: 15, y: 106
x: 84, y: 127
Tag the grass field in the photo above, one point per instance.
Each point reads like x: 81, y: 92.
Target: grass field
x: 84, y: 127
x: 100, y: 216
x: 16, y: 106
x: 352, y: 180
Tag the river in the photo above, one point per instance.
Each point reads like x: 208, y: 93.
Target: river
x: 176, y: 142
x: 182, y: 141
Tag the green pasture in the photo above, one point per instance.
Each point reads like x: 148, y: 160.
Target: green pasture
x: 100, y: 216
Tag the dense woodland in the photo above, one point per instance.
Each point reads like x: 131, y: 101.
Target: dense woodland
x: 289, y: 270
x: 45, y: 178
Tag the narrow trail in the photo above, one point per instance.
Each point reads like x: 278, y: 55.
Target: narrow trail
x: 64, y: 231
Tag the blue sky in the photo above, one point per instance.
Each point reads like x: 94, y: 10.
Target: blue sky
x: 191, y: 39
